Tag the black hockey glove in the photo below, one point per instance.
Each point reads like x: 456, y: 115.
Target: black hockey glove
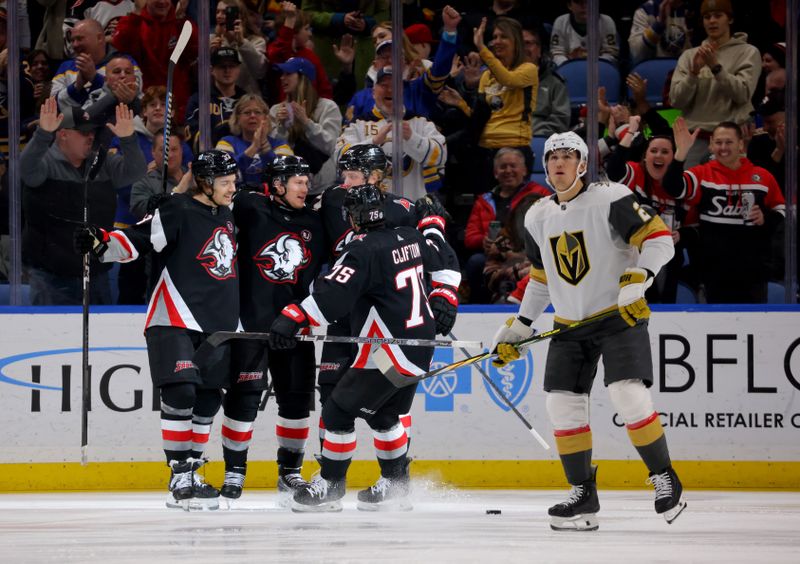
x: 429, y: 205
x: 444, y: 304
x: 90, y: 239
x: 154, y: 201
x: 282, y: 333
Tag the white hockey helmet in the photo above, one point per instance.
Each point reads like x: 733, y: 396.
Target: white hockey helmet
x: 568, y: 140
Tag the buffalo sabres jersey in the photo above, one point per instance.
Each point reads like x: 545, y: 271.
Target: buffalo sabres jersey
x: 399, y: 211
x: 281, y: 251
x: 579, y: 248
x: 379, y: 280
x: 198, y: 287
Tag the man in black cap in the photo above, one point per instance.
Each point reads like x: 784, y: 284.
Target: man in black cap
x: 225, y: 71
x: 767, y: 149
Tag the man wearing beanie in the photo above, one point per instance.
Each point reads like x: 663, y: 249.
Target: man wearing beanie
x: 714, y: 82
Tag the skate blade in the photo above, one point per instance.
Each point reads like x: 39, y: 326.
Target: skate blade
x: 203, y: 504
x: 390, y: 505
x: 173, y: 503
x: 327, y: 507
x: 584, y: 522
x: 672, y: 514
x: 227, y: 503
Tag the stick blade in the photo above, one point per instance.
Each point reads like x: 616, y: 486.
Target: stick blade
x: 183, y: 40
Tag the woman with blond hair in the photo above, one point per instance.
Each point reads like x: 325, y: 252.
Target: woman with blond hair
x: 310, y: 124
x: 250, y: 141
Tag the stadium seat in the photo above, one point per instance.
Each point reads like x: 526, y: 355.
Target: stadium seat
x: 5, y: 294
x: 776, y: 293
x: 537, y: 146
x: 685, y: 294
x: 574, y: 74
x: 655, y: 71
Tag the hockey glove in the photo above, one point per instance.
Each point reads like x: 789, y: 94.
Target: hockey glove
x: 90, y: 238
x: 444, y: 304
x: 282, y: 333
x: 154, y: 201
x: 429, y: 205
x: 512, y: 331
x: 633, y: 283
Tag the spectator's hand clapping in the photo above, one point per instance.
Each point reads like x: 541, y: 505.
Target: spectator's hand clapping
x: 345, y: 51
x: 450, y: 97
x: 638, y: 86
x: 124, y: 125
x: 472, y: 70
x: 477, y: 34
x: 407, y: 132
x: 355, y: 21
x: 620, y: 113
x: 709, y: 54
x: 380, y: 138
x: 603, y: 109
x: 86, y: 69
x: 450, y: 18
x: 290, y: 14
x: 300, y: 113
x: 49, y: 117
x: 123, y: 92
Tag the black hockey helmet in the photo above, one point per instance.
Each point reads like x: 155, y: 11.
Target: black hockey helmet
x: 282, y: 167
x: 208, y: 165
x: 364, y: 158
x: 365, y: 205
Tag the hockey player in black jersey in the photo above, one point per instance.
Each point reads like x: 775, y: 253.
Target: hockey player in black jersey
x: 379, y: 280
x: 197, y: 293
x: 281, y: 248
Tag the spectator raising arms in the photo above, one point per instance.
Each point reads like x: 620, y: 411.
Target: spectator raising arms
x: 310, y: 124
x: 659, y: 30
x: 714, y: 82
x: 250, y: 141
x: 552, y: 113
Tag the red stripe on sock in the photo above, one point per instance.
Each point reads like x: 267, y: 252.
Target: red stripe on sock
x: 200, y: 438
x: 570, y: 432
x: 177, y: 436
x: 391, y: 445
x: 643, y: 422
x: 289, y: 433
x: 338, y: 447
x: 238, y: 436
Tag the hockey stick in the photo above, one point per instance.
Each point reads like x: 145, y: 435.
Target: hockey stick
x: 507, y: 401
x: 183, y: 40
x: 92, y: 167
x: 385, y: 365
x: 216, y: 339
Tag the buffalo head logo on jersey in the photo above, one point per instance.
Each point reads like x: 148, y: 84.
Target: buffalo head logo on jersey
x: 219, y: 254
x: 282, y: 258
x: 572, y: 259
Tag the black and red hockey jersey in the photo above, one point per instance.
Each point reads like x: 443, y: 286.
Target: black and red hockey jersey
x: 281, y: 251
x: 198, y: 287
x: 379, y: 280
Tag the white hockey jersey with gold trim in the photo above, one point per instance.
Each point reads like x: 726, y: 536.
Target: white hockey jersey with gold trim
x: 579, y: 248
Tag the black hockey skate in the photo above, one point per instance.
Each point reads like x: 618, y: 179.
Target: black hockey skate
x: 180, y: 485
x: 579, y: 511
x: 388, y: 493
x: 233, y: 484
x: 204, y: 496
x: 669, y: 490
x: 319, y: 496
x: 289, y: 482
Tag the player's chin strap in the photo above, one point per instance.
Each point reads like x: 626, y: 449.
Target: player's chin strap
x: 568, y: 192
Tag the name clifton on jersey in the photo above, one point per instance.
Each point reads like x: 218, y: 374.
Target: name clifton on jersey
x: 406, y: 253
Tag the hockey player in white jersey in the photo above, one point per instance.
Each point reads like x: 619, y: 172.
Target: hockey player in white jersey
x: 593, y: 249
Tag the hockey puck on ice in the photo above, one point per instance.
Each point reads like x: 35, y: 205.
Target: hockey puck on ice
x: 493, y: 512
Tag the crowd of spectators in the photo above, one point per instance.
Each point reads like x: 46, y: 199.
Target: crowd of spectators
x: 481, y: 81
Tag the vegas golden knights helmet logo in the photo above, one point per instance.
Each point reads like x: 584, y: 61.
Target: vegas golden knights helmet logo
x: 572, y: 260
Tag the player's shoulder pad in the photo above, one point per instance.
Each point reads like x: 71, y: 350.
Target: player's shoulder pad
x: 406, y: 204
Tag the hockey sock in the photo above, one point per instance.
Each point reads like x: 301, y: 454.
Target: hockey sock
x: 206, y: 406
x: 292, y: 435
x: 177, y: 401
x: 321, y: 432
x: 391, y: 445
x: 241, y: 409
x: 405, y: 419
x: 648, y: 437
x: 575, y: 450
x: 337, y: 452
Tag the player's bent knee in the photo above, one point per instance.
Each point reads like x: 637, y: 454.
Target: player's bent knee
x: 567, y: 410
x: 295, y: 405
x: 336, y: 418
x: 179, y: 396
x: 242, y: 406
x: 631, y: 399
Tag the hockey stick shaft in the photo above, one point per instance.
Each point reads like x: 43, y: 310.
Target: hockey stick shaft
x: 183, y: 40
x: 507, y: 401
x: 220, y: 337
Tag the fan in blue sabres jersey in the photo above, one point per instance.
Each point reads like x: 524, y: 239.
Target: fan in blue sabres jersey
x: 197, y: 293
x: 379, y: 281
x: 281, y: 249
x: 594, y: 249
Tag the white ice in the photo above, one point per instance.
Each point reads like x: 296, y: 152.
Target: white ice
x: 446, y: 525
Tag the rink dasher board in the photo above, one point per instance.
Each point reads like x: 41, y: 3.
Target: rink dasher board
x: 726, y: 382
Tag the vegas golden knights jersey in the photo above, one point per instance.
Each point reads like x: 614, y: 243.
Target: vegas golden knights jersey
x: 580, y: 248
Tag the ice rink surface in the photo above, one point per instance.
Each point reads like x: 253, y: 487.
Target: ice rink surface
x: 446, y: 525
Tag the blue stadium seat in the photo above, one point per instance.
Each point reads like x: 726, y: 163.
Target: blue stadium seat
x: 776, y: 293
x: 537, y: 146
x: 655, y: 71
x: 574, y: 74
x: 685, y: 295
x: 5, y: 294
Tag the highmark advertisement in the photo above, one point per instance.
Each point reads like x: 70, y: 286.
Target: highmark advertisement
x: 727, y: 386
